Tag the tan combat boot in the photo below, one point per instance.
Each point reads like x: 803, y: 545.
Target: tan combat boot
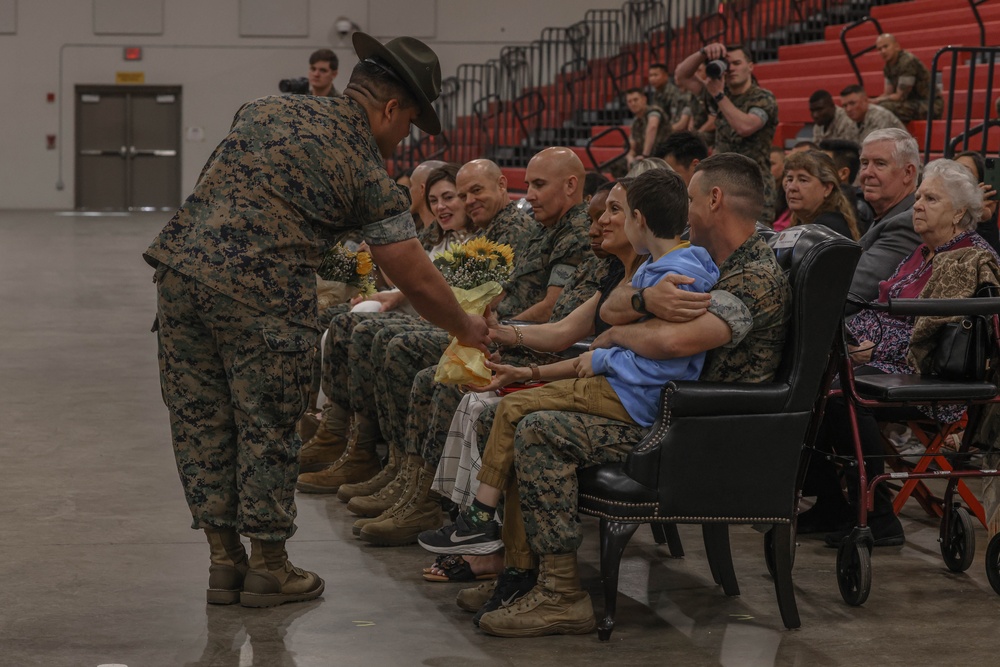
x: 408, y: 478
x: 308, y: 425
x: 329, y: 442
x: 473, y: 599
x: 349, y: 492
x: 273, y: 580
x: 421, y: 512
x: 229, y: 566
x: 358, y: 463
x: 379, y: 501
x: 557, y: 605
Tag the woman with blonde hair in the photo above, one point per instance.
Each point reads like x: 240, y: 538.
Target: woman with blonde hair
x: 812, y: 189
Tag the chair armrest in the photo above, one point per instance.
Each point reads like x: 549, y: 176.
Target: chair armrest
x: 698, y: 399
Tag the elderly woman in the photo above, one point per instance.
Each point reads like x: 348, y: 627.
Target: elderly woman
x: 948, y: 207
x: 812, y: 191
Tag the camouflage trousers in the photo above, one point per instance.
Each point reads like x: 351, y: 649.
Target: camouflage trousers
x: 348, y: 368
x: 405, y: 353
x: 540, y: 426
x: 907, y: 110
x: 428, y: 420
x: 433, y: 406
x: 235, y: 382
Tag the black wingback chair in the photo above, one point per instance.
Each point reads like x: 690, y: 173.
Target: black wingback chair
x: 724, y: 453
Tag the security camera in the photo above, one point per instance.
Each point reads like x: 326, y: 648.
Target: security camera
x: 345, y: 26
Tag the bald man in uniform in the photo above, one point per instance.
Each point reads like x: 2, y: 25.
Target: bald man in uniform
x: 907, y: 82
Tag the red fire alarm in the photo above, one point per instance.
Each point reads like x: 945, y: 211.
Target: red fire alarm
x: 133, y: 53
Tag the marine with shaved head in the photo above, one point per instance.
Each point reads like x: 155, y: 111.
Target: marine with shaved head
x: 907, y: 82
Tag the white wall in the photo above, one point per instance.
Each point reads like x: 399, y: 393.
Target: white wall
x: 55, y: 48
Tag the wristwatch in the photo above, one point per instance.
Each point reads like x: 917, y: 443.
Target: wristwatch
x: 638, y: 302
x: 718, y: 98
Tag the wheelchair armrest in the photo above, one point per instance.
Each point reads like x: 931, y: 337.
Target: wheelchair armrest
x: 699, y: 399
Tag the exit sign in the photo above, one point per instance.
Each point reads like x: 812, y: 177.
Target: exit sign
x: 133, y: 53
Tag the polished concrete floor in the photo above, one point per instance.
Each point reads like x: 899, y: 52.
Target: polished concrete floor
x: 101, y: 568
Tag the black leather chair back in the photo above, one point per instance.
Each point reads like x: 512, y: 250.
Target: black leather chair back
x: 820, y: 266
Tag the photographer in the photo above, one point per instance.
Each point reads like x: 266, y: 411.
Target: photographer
x: 748, y: 114
x: 323, y: 64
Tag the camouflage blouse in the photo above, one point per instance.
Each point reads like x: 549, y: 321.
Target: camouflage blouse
x: 292, y: 174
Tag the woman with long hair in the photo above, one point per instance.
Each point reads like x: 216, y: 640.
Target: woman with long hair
x: 812, y: 189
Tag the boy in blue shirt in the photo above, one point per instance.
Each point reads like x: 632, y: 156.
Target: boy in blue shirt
x: 614, y: 383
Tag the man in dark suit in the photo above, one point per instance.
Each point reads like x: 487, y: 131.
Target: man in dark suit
x: 890, y: 161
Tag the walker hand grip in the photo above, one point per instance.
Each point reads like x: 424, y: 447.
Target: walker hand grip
x: 944, y: 307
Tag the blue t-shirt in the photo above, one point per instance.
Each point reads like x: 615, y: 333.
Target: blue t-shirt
x: 637, y: 380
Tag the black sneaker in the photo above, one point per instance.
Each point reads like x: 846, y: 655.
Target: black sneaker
x: 463, y: 539
x: 511, y: 585
x: 887, y: 531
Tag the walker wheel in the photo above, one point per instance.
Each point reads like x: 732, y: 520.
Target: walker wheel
x: 854, y: 572
x: 958, y: 547
x: 993, y: 563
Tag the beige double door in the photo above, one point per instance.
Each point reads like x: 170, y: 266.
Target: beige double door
x: 128, y: 148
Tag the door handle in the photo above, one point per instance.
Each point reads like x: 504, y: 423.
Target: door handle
x: 133, y: 151
x: 90, y: 152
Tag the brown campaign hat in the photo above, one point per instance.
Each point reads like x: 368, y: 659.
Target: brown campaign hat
x: 417, y: 67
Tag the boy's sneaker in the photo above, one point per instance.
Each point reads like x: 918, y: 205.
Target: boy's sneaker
x: 463, y: 539
x: 511, y: 585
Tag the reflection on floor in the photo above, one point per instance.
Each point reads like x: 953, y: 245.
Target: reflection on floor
x: 102, y: 568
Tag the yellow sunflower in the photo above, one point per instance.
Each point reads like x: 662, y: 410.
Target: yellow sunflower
x: 364, y: 264
x: 506, y: 252
x: 479, y: 247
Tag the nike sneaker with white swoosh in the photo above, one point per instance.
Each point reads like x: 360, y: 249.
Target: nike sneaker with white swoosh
x: 462, y: 538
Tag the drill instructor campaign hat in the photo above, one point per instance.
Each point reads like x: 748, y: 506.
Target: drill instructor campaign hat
x: 415, y: 64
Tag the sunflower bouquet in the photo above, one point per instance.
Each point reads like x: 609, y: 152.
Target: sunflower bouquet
x: 344, y: 274
x: 476, y: 271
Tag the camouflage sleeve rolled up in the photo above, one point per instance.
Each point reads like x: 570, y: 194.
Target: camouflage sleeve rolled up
x: 583, y: 285
x: 752, y: 275
x: 570, y: 246
x: 731, y: 310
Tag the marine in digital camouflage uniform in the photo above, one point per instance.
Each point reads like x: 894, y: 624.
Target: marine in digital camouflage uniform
x: 236, y: 297
x: 638, y: 131
x: 907, y: 83
x: 757, y: 146
x: 550, y: 446
x: 241, y: 235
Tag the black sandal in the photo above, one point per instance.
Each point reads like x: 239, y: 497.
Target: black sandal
x: 455, y: 568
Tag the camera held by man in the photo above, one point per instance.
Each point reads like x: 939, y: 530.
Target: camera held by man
x: 323, y: 66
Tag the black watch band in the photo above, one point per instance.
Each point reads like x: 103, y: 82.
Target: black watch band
x: 718, y: 98
x: 639, y: 302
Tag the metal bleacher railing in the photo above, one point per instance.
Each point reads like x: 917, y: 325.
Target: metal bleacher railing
x: 968, y: 117
x: 555, y: 89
